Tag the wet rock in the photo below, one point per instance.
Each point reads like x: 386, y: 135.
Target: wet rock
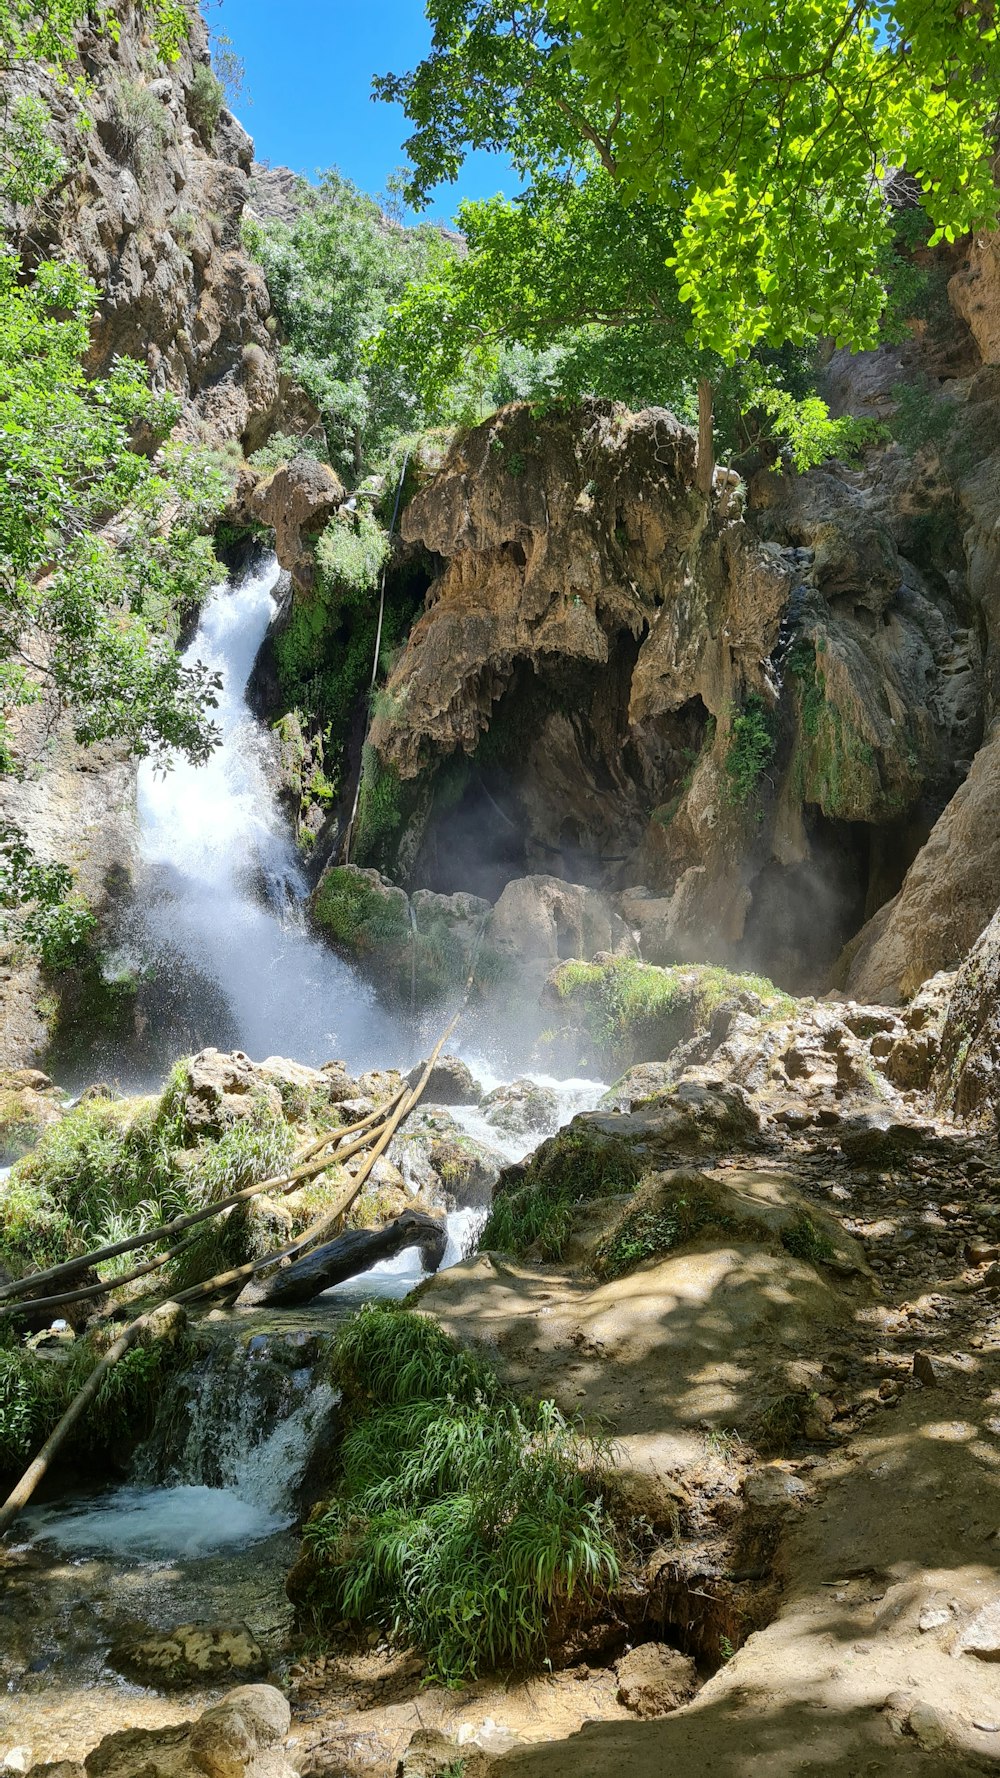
x: 189, y: 1654
x: 522, y: 1108
x: 981, y: 1637
x: 451, y: 1082
x: 539, y: 920
x: 654, y: 1679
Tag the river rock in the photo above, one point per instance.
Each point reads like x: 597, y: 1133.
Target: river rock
x: 243, y: 1735
x: 981, y: 1637
x: 188, y: 1654
x: 522, y: 1108
x: 451, y: 1082
x: 654, y: 1679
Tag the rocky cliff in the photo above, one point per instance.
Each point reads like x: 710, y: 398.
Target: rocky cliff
x: 151, y: 202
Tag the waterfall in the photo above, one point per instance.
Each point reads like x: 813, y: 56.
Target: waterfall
x: 218, y: 927
x: 233, y: 1438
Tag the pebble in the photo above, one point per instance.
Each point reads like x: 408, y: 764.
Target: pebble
x: 982, y: 1636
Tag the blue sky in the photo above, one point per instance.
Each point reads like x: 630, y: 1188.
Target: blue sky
x: 309, y: 67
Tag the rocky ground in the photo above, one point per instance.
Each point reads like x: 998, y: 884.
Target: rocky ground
x: 786, y: 1316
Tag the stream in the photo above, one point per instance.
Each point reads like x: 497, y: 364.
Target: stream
x: 202, y: 1531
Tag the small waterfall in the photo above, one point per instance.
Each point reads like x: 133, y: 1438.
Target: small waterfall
x: 233, y: 1439
x: 218, y: 926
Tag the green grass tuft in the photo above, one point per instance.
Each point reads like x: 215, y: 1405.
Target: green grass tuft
x: 575, y: 1167
x: 751, y: 749
x: 463, y: 1520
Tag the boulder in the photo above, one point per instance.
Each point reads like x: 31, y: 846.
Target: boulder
x: 522, y: 1108
x: 654, y: 1679
x: 242, y: 1736
x: 540, y: 920
x: 295, y: 503
x: 451, y: 1082
x: 221, y: 1090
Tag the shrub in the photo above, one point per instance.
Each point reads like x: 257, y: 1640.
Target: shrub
x: 362, y: 919
x: 463, y: 1519
x: 140, y: 125
x: 751, y: 749
x: 281, y: 447
x: 636, y: 1010
x: 575, y: 1167
x: 35, y: 1392
x: 205, y: 99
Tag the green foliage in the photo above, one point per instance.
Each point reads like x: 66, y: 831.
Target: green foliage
x: 750, y: 750
x: 750, y: 162
x: 921, y: 418
x: 648, y: 1232
x: 463, y: 1520
x: 357, y: 916
x: 635, y: 1009
x: 804, y: 1240
x: 764, y: 135
x: 205, y: 99
x: 380, y: 811
x: 352, y: 552
x: 85, y: 621
x: 575, y: 1167
x: 281, y: 447
x: 110, y: 1168
x: 332, y: 274
x: 36, y: 1390
x: 140, y: 125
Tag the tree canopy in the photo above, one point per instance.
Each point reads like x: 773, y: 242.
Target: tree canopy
x: 766, y: 132
x: 333, y: 274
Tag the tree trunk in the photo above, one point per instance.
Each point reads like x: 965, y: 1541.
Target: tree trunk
x: 706, y: 444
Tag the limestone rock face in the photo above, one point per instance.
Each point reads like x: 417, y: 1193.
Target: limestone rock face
x: 969, y: 1074
x: 152, y: 208
x: 950, y: 892
x: 567, y: 703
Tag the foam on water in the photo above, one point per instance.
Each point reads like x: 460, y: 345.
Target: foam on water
x: 151, y: 1524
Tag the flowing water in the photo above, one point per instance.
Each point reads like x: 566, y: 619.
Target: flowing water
x: 201, y: 1530
x: 218, y: 925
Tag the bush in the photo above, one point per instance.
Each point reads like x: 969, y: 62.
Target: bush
x: 282, y: 447
x: 205, y: 99
x: 636, y: 1011
x: 35, y: 1392
x: 109, y: 1169
x: 463, y: 1519
x: 575, y: 1167
x: 140, y: 125
x: 751, y: 749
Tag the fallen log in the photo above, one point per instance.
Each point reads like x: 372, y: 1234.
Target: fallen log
x: 349, y: 1256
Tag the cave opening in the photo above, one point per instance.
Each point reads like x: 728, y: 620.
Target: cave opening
x: 803, y: 915
x: 558, y: 785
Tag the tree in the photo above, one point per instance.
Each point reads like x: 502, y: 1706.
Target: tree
x: 577, y: 267
x: 333, y: 274
x: 764, y: 134
x: 101, y: 549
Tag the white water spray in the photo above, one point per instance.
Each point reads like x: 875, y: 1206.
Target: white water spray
x: 221, y: 903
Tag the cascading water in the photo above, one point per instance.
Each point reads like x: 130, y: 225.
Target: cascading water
x: 224, y: 1465
x: 218, y: 922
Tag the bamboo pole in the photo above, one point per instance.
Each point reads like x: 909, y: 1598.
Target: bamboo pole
x: 307, y: 1167
x: 405, y: 1101
x: 19, y: 1496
